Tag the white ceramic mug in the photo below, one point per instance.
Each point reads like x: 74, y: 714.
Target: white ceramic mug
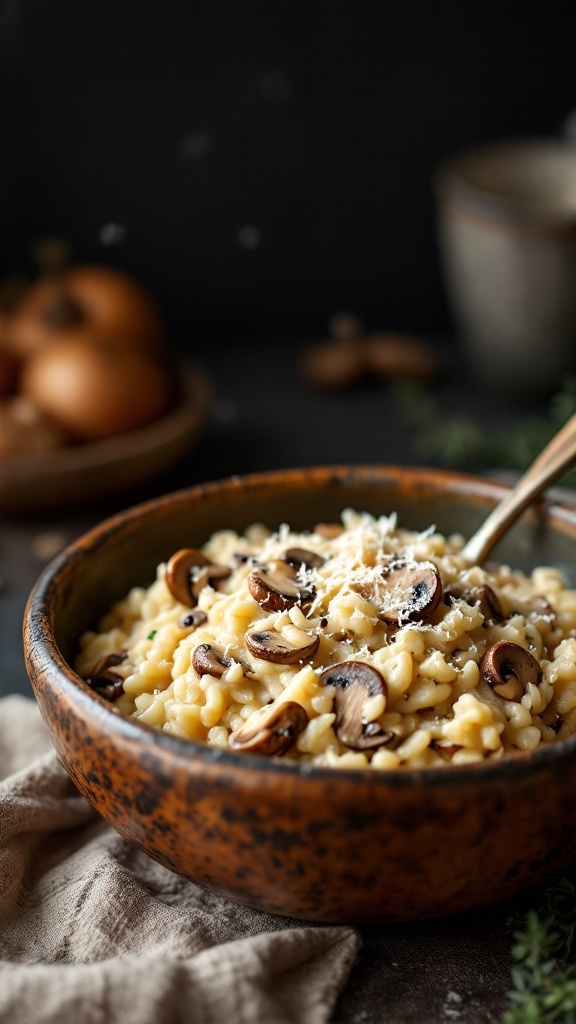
x: 507, y: 229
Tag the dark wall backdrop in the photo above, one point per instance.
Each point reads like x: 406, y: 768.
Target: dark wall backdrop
x: 262, y: 164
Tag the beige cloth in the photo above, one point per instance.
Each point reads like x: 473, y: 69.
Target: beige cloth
x: 93, y: 931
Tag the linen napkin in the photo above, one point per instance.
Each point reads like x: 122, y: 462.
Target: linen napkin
x: 93, y: 931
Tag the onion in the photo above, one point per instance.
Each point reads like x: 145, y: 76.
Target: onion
x: 96, y: 390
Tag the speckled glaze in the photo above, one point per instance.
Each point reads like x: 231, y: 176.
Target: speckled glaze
x: 351, y: 846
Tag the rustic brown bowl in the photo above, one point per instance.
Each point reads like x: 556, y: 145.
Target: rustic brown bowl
x: 319, y: 844
x: 71, y: 477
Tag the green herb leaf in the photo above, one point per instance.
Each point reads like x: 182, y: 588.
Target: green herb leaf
x: 544, y: 976
x: 461, y: 442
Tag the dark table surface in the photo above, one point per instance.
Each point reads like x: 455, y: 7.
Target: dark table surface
x: 264, y: 417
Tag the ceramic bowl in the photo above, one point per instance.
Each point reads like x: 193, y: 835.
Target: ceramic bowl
x: 507, y: 234
x: 319, y: 844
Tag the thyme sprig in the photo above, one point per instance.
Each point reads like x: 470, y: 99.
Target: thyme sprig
x: 544, y: 975
x: 463, y: 442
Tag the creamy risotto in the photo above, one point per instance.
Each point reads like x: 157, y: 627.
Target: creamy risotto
x: 355, y: 645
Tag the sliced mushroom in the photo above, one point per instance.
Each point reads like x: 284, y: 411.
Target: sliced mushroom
x: 271, y: 731
x: 445, y: 749
x: 301, y: 556
x: 276, y: 589
x: 270, y: 645
x: 540, y: 612
x: 355, y: 682
x: 239, y: 558
x: 539, y: 605
x: 193, y: 619
x: 188, y: 571
x: 329, y: 530
x: 104, y: 680
x: 405, y: 592
x: 489, y: 602
x: 551, y: 718
x: 484, y: 596
x: 207, y: 575
x: 179, y: 573
x: 208, y: 661
x: 508, y: 668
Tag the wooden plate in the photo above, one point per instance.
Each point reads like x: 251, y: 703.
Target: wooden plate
x: 87, y: 472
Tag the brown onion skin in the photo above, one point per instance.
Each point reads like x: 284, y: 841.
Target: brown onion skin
x: 96, y: 390
x: 112, y: 308
x: 120, y: 306
x: 8, y: 372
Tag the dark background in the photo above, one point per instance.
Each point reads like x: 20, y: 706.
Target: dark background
x: 260, y: 165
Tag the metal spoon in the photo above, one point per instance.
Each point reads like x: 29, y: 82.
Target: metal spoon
x: 556, y: 457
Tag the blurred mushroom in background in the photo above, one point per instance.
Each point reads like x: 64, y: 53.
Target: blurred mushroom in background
x: 350, y: 356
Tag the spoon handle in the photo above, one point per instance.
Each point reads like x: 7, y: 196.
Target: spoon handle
x: 557, y: 457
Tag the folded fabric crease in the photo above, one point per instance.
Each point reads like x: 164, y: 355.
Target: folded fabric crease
x: 93, y: 930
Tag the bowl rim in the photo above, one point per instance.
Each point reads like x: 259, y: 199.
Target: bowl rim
x: 42, y: 652
x: 458, y: 191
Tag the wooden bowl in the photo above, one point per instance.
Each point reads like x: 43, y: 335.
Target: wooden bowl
x: 320, y: 844
x: 89, y: 472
